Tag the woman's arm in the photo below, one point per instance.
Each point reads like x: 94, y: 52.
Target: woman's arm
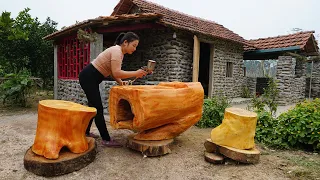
x: 117, y: 73
x: 119, y: 81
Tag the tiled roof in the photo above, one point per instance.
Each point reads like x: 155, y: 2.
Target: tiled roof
x: 100, y: 19
x: 181, y: 20
x: 298, y: 39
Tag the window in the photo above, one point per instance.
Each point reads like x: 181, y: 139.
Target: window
x: 229, y: 69
x: 244, y: 71
x: 72, y: 57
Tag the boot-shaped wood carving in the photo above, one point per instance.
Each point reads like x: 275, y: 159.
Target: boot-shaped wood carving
x: 156, y: 112
x: 61, y: 123
x: 237, y: 129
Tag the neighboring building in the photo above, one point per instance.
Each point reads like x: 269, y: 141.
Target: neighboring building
x: 291, y: 72
x: 186, y: 48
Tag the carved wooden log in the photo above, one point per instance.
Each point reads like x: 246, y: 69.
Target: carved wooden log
x: 61, y: 123
x: 237, y: 129
x: 156, y: 112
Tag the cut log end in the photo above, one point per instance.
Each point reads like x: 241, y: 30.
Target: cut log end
x: 251, y: 156
x: 150, y: 148
x: 66, y: 105
x: 210, y: 147
x: 213, y: 158
x: 66, y: 163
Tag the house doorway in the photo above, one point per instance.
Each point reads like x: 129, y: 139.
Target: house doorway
x: 204, y: 66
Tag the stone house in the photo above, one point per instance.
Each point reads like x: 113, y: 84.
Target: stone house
x: 291, y: 73
x: 186, y: 48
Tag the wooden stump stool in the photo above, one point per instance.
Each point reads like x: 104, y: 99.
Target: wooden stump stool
x: 150, y: 148
x: 66, y: 163
x: 233, y: 138
x: 61, y: 123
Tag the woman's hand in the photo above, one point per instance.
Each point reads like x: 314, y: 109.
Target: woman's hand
x: 140, y: 73
x: 123, y: 83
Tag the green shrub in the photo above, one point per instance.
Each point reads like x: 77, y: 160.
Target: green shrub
x: 213, y: 111
x: 245, y: 92
x: 1, y: 72
x: 16, y: 88
x: 300, y: 127
x: 297, y: 128
x: 267, y: 130
x: 267, y: 99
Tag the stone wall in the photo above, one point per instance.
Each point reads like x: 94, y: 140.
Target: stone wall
x: 315, y: 84
x: 70, y: 90
x: 251, y: 83
x: 226, y: 51
x: 173, y: 56
x: 291, y: 85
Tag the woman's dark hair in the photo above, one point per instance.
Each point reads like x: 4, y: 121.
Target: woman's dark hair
x: 129, y: 36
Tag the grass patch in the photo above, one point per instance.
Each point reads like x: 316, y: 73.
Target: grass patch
x: 32, y: 105
x: 307, y: 166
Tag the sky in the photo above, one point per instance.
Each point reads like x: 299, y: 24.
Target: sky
x: 251, y: 19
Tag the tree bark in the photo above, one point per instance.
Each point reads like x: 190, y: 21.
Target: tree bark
x: 150, y: 148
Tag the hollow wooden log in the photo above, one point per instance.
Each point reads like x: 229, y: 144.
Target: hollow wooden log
x: 237, y: 129
x: 66, y: 163
x: 156, y: 112
x: 61, y: 123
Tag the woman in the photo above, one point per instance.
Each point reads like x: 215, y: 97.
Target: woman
x: 108, y: 63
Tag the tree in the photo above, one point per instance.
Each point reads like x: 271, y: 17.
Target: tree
x: 22, y: 46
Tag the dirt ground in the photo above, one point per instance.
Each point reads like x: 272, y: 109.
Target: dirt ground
x: 185, y: 162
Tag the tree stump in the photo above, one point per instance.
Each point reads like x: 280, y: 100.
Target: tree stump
x: 61, y: 123
x: 150, y: 148
x: 240, y: 155
x: 237, y: 129
x: 156, y: 112
x: 66, y: 163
